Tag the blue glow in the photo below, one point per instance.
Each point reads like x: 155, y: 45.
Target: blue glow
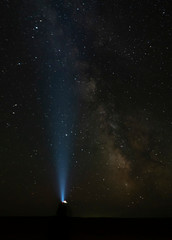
x: 62, y: 194
x: 59, y: 91
x: 63, y: 123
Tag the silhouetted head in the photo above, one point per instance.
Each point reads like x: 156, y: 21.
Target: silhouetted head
x: 63, y: 209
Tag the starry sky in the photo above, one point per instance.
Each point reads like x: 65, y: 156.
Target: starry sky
x: 85, y: 105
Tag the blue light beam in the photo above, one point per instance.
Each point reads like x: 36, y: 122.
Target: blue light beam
x: 58, y: 84
x: 63, y: 124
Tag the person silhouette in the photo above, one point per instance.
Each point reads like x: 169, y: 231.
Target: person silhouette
x: 63, y: 210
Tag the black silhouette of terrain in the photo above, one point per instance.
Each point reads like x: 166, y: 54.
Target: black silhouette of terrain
x: 84, y: 228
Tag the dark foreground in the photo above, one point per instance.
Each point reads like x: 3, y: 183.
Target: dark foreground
x: 84, y: 228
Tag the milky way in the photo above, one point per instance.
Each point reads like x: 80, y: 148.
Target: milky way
x: 85, y: 97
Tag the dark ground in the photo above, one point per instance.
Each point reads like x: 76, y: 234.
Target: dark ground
x: 84, y: 228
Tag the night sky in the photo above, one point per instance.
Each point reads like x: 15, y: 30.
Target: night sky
x: 85, y: 107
